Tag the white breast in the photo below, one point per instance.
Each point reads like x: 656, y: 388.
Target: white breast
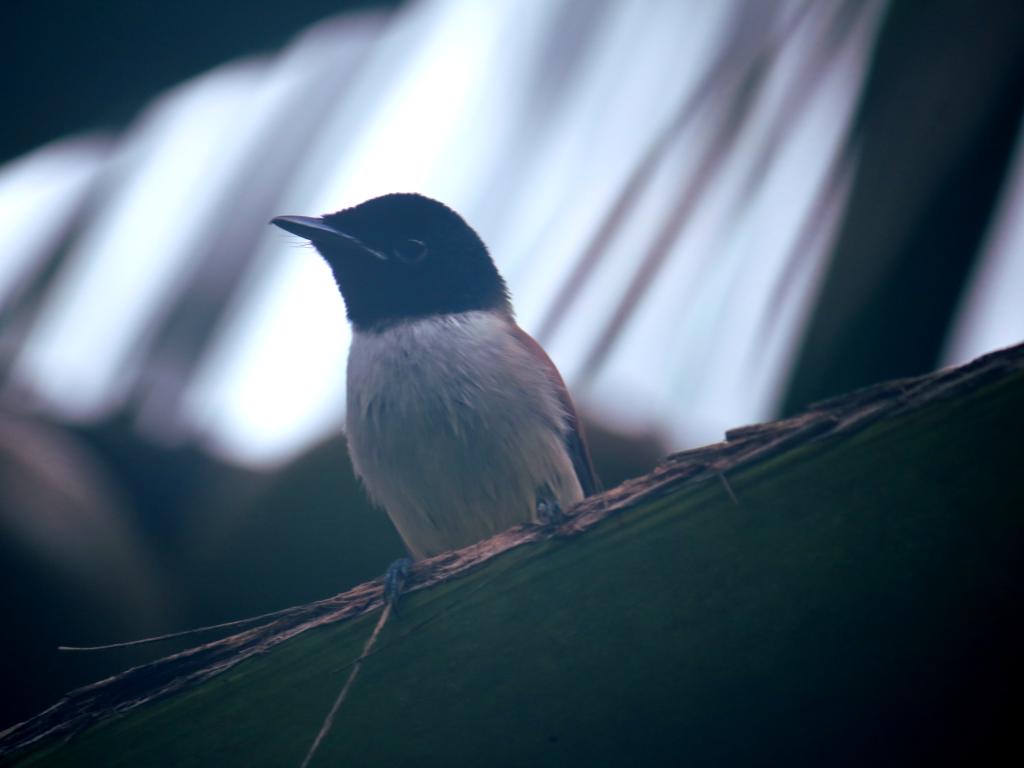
x: 454, y: 429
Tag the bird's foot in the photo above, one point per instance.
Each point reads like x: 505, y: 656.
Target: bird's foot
x: 549, y: 512
x: 394, y: 581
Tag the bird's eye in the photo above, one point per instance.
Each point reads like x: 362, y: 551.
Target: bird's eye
x: 411, y: 251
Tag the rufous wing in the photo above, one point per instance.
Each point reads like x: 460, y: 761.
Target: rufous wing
x: 575, y: 443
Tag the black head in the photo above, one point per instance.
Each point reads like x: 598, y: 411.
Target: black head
x: 403, y: 256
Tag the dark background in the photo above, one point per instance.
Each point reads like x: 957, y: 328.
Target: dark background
x: 70, y: 67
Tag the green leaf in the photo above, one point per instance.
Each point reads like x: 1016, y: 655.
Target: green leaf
x: 857, y: 603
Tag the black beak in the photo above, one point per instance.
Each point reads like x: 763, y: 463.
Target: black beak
x: 317, y: 230
x: 305, y: 226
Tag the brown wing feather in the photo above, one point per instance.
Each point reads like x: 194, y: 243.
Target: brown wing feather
x: 574, y: 440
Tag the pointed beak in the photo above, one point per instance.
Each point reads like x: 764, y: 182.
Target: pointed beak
x: 305, y: 226
x: 317, y: 230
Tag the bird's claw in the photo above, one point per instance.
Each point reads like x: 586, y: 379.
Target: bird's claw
x: 394, y: 580
x: 549, y: 512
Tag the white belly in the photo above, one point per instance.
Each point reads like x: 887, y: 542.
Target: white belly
x: 454, y: 430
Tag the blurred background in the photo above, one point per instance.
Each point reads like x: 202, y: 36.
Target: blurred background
x: 710, y: 212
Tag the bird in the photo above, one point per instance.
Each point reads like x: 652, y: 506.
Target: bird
x: 458, y: 424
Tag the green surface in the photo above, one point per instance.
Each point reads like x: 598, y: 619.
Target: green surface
x: 859, y: 604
